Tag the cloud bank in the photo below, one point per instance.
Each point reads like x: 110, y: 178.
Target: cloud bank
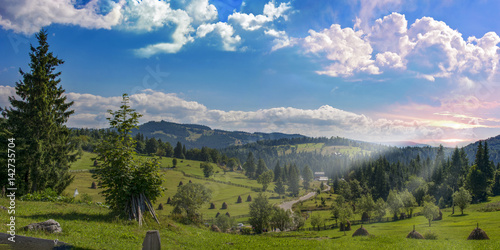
x: 90, y: 111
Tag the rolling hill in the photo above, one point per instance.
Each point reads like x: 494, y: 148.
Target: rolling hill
x: 197, y: 136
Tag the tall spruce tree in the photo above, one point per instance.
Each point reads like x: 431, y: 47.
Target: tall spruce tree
x: 307, y: 175
x: 293, y: 181
x: 37, y: 122
x: 130, y: 186
x: 249, y: 166
x: 277, y: 172
x: 261, y: 168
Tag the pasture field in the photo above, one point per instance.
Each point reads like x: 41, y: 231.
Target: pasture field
x: 93, y: 227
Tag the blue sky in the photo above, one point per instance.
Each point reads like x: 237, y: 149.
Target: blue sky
x: 373, y: 70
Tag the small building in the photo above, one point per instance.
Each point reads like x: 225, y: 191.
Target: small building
x: 323, y: 178
x: 319, y: 175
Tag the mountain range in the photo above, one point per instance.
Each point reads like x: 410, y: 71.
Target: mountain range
x: 197, y: 136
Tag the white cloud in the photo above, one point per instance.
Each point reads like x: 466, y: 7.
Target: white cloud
x: 225, y: 31
x: 90, y: 111
x: 253, y: 22
x: 429, y: 49
x: 202, y: 11
x: 281, y: 39
x: 29, y: 16
x: 346, y: 48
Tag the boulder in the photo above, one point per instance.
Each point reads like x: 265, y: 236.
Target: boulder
x: 50, y: 226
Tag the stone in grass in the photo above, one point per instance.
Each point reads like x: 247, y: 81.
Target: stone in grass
x: 50, y: 226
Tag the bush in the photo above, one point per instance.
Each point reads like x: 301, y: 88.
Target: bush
x: 246, y: 231
x: 430, y: 236
x: 47, y: 195
x: 85, y: 198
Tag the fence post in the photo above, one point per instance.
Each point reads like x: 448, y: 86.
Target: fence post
x: 152, y: 241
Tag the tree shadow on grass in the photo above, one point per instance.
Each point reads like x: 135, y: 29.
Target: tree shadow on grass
x: 458, y: 215
x: 76, y: 216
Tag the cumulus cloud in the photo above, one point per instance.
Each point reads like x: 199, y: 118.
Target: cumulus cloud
x: 429, y: 49
x: 29, y: 16
x: 224, y: 30
x: 253, y: 22
x: 90, y: 111
x: 202, y: 11
x: 346, y: 48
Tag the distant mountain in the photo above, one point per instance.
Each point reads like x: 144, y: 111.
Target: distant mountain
x: 493, y: 148
x: 403, y: 144
x: 197, y: 136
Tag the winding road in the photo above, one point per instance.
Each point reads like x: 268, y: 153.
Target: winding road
x: 287, y: 205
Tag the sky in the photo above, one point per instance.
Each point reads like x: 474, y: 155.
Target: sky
x: 373, y: 70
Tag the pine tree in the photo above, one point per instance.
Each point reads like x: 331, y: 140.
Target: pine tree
x: 277, y: 171
x: 178, y: 151
x: 130, y: 186
x: 249, y: 166
x: 279, y: 187
x: 307, y: 175
x: 293, y: 182
x: 37, y: 122
x: 261, y: 168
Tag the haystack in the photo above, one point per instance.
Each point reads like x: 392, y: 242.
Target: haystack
x: 160, y: 207
x: 415, y: 235
x: 478, y: 234
x: 361, y: 232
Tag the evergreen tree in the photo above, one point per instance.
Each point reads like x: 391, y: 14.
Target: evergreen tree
x: 249, y: 166
x: 261, y: 168
x: 178, y: 151
x: 293, y: 182
x: 279, y: 187
x: 307, y: 175
x: 277, y: 171
x: 128, y: 183
x: 151, y: 146
x: 37, y: 122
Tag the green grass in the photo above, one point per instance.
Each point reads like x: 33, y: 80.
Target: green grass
x: 92, y: 227
x: 221, y: 192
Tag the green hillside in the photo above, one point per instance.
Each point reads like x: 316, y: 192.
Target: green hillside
x: 226, y: 187
x: 197, y: 136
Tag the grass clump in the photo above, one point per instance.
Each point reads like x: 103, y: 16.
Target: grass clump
x: 431, y: 235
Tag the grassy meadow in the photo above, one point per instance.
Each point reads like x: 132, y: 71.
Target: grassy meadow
x: 89, y: 226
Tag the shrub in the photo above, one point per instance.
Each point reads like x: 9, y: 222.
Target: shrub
x: 47, y: 195
x: 246, y: 231
x: 85, y: 198
x: 431, y: 235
